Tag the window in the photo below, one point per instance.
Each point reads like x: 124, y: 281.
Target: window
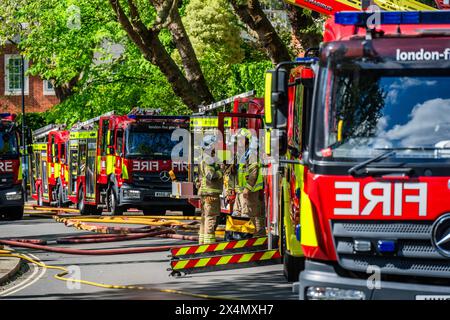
x: 49, y: 90
x: 13, y: 79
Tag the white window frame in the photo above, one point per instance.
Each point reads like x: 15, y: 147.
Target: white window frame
x: 46, y: 90
x: 19, y: 91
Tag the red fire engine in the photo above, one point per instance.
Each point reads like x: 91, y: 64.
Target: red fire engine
x: 49, y: 165
x: 363, y: 193
x: 120, y: 162
x: 11, y: 193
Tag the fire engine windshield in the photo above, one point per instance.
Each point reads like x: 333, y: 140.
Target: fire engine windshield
x: 363, y: 112
x: 153, y: 144
x: 8, y: 144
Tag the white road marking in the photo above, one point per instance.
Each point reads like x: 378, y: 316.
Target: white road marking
x: 25, y: 283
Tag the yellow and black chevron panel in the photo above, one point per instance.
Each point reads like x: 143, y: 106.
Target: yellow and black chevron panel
x: 218, y: 247
x: 226, y: 260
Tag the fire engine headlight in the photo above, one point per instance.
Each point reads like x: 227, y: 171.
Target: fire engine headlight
x: 14, y: 195
x: 132, y: 194
x: 327, y: 293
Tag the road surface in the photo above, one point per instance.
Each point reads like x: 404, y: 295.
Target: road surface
x: 145, y: 269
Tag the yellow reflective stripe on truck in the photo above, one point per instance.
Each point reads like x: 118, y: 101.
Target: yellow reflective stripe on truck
x: 110, y: 162
x: 83, y: 134
x: 308, y: 235
x: 39, y: 147
x: 208, y: 122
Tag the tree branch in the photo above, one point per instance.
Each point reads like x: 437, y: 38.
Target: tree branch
x: 251, y: 13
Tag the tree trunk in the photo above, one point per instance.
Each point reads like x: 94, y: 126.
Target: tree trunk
x: 251, y: 13
x: 189, y: 59
x: 64, y: 91
x: 303, y: 37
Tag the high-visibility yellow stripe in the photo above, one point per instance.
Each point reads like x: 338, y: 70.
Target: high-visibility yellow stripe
x: 246, y: 257
x: 268, y: 98
x: 201, y: 249
x: 83, y: 134
x: 268, y: 255
x: 240, y: 243
x: 308, y: 235
x: 260, y: 241
x: 221, y: 246
x: 202, y: 262
x: 224, y: 260
x: 180, y: 264
x: 183, y: 251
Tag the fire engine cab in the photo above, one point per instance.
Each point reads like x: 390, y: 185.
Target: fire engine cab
x: 120, y: 162
x: 364, y: 190
x: 49, y: 165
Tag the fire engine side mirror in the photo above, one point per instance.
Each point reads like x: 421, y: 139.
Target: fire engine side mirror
x: 276, y: 108
x: 276, y: 99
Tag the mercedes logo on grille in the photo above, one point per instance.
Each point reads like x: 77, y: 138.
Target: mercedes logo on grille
x: 164, y: 176
x: 441, y: 235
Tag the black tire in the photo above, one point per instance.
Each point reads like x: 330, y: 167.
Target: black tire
x: 292, y: 266
x: 14, y: 213
x: 84, y: 209
x: 154, y: 211
x: 59, y: 200
x: 116, y: 210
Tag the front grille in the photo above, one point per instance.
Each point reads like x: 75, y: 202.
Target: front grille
x: 414, y: 254
x: 152, y: 180
x: 6, y: 180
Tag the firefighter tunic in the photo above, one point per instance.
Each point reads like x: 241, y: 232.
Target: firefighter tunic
x: 211, y: 186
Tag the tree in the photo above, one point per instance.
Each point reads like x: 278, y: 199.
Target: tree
x: 213, y: 28
x: 251, y: 13
x: 190, y: 86
x: 306, y: 28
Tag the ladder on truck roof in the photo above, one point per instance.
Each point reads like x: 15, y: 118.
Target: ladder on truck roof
x: 42, y: 132
x: 81, y: 125
x: 330, y: 7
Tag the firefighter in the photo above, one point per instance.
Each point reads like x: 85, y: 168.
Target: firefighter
x: 250, y: 185
x: 211, y: 186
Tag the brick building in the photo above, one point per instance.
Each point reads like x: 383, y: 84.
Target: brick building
x: 39, y: 93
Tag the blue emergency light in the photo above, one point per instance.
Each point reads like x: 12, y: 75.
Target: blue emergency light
x: 4, y: 115
x: 360, y: 19
x: 386, y: 246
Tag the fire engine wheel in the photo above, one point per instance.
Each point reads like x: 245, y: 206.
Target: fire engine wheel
x: 59, y: 199
x: 14, y: 213
x: 81, y: 205
x: 113, y: 203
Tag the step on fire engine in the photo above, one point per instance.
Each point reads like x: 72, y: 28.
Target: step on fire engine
x: 120, y: 162
x: 364, y: 189
x: 49, y: 165
x: 11, y: 192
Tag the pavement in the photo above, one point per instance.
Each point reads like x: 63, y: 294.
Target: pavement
x: 8, y: 267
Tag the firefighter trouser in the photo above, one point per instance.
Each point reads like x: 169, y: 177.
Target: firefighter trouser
x: 210, y: 212
x: 252, y: 208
